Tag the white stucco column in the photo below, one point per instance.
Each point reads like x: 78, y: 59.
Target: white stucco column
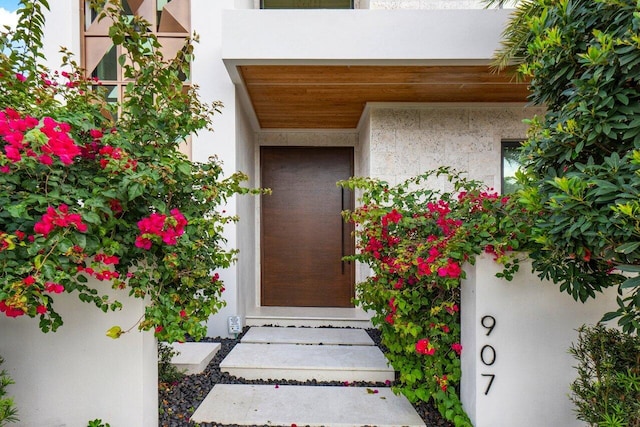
x: 209, y: 73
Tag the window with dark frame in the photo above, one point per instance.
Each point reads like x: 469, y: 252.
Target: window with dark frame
x: 306, y: 4
x: 510, y: 164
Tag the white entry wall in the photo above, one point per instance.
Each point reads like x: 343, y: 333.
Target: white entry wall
x: 516, y: 368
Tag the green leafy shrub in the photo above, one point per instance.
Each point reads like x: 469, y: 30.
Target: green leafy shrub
x: 101, y: 191
x: 416, y: 241
x: 581, y: 174
x: 167, y: 372
x: 8, y: 411
x: 607, y: 390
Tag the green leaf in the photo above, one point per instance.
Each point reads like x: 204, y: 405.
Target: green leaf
x: 629, y: 268
x: 627, y: 248
x: 135, y: 190
x: 631, y: 282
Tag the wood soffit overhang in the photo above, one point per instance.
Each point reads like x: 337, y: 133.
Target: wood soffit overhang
x: 334, y: 96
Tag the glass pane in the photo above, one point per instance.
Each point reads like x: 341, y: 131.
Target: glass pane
x: 107, y: 68
x: 90, y: 14
x: 307, y: 4
x: 510, y: 164
x: 127, y: 8
x: 111, y: 96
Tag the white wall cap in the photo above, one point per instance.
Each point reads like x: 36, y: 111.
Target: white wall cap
x: 362, y: 37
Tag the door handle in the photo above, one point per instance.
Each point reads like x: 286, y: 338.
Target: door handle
x: 342, y: 249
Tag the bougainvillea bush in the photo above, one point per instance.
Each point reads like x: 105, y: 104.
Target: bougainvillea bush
x: 90, y: 190
x: 416, y: 242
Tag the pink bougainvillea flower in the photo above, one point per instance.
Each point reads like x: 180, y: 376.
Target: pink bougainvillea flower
x: 20, y: 77
x: 183, y: 313
x: 54, y: 288
x: 394, y: 216
x: 9, y: 310
x: 45, y: 159
x: 41, y: 309
x: 12, y: 153
x: 29, y: 280
x: 457, y: 347
x: 452, y: 269
x: 59, y: 218
x: 442, y: 382
x: 389, y: 318
x: 452, y: 308
x: 423, y: 346
x: 424, y: 269
x: 143, y: 243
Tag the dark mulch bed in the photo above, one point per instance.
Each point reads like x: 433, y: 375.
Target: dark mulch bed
x: 179, y: 400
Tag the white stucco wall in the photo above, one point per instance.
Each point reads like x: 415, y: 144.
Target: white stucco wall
x: 535, y: 324
x: 62, y: 29
x: 209, y: 73
x: 408, y: 140
x: 247, y: 238
x: 78, y: 374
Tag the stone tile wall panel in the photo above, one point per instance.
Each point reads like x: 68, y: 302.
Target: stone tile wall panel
x: 407, y: 141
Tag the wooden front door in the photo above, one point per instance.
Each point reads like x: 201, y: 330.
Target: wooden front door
x: 303, y: 234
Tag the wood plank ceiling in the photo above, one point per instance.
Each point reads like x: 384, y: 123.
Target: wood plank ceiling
x: 333, y: 97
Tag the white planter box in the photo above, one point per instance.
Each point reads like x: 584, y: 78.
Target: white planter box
x: 78, y: 374
x: 518, y: 372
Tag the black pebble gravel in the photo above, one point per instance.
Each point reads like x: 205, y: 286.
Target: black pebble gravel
x: 178, y: 401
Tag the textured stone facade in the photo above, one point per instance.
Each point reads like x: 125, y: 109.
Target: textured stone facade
x: 426, y: 4
x: 407, y: 141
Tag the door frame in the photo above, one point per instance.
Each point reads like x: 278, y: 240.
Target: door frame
x: 305, y: 140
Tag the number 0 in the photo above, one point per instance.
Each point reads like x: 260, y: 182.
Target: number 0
x: 492, y: 355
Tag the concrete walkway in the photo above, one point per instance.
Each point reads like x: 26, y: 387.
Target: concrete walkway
x: 324, y: 354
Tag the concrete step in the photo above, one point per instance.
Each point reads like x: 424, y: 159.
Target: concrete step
x: 312, y: 406
x: 325, y: 336
x: 193, y: 357
x: 307, y: 362
x: 313, y: 317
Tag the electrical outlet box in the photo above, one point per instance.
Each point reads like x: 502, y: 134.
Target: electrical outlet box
x: 235, y: 325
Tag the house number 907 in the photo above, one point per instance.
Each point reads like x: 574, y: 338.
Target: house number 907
x: 488, y: 353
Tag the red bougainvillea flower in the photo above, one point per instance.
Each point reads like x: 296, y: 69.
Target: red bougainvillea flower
x: 423, y: 346
x: 452, y: 308
x: 457, y: 347
x: 168, y: 228
x: 54, y: 288
x: 442, y: 382
x: 59, y: 218
x: 41, y: 309
x: 452, y: 269
x: 107, y: 259
x: 29, y: 280
x: 394, y: 216
x: 389, y: 318
x: 9, y: 310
